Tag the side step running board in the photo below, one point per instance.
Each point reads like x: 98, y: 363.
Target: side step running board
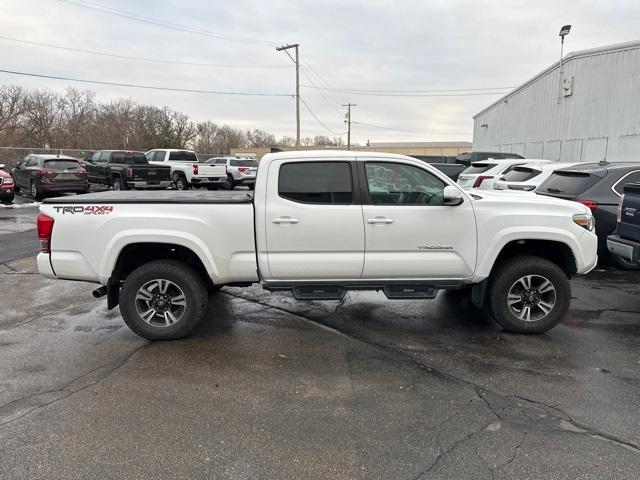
x: 396, y: 292
x: 319, y: 292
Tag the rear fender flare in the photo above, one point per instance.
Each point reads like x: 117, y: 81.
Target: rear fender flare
x: 121, y: 240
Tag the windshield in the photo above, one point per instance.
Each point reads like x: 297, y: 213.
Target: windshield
x: 61, y: 164
x: 244, y: 163
x: 569, y: 183
x: 183, y: 156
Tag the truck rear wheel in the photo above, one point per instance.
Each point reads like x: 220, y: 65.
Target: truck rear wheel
x: 528, y: 294
x: 180, y: 182
x: 163, y: 300
x: 118, y: 184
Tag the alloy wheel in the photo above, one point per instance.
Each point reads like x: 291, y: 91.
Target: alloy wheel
x: 160, y: 303
x: 532, y: 298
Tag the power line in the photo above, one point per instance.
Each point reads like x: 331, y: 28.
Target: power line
x: 318, y: 120
x: 353, y: 90
x: 163, y: 23
x: 148, y: 87
x: 409, y: 131
x: 464, y: 94
x: 141, y: 59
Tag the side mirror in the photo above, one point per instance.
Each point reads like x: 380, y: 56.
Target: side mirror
x: 452, y: 197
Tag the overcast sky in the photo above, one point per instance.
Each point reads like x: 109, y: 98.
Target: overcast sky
x: 349, y: 44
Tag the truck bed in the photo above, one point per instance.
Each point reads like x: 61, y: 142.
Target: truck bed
x: 156, y: 197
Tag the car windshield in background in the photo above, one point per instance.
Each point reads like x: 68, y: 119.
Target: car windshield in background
x: 61, y: 164
x: 521, y: 174
x: 478, y: 168
x: 244, y: 163
x: 183, y: 156
x: 569, y: 183
x: 130, y: 158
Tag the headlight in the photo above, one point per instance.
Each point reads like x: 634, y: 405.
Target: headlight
x: 585, y: 221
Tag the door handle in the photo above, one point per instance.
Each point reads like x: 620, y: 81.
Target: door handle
x: 285, y: 220
x: 380, y: 221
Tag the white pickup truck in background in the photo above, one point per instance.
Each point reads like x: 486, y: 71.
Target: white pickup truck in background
x: 319, y: 224
x: 186, y: 171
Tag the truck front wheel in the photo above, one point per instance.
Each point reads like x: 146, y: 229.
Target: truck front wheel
x: 163, y: 300
x: 180, y: 182
x: 528, y: 294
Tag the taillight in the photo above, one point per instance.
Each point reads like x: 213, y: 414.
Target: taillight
x: 45, y: 227
x: 44, y: 171
x: 82, y: 171
x: 130, y: 172
x: 481, y: 179
x: 195, y: 169
x: 242, y: 169
x: 590, y: 204
x: 619, y: 213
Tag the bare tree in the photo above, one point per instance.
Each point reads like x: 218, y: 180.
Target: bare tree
x: 286, y: 142
x: 227, y: 138
x: 42, y: 118
x: 78, y: 110
x: 307, y: 141
x: 11, y: 108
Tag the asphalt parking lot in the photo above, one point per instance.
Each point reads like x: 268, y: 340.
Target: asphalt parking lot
x: 270, y: 387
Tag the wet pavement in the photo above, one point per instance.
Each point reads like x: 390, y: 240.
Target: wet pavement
x: 269, y: 387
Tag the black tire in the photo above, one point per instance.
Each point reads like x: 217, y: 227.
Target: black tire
x: 118, y: 184
x: 180, y: 274
x: 230, y: 184
x: 622, y: 264
x: 35, y: 190
x: 506, y: 277
x: 180, y: 181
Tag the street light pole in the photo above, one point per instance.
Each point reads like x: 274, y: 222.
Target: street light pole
x: 564, y: 31
x: 297, y: 62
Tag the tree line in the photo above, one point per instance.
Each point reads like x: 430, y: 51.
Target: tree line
x: 41, y: 118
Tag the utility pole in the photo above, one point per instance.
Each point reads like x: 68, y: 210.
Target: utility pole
x: 297, y: 62
x: 348, y: 122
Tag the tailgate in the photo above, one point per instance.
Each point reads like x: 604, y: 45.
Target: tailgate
x: 151, y: 173
x: 205, y: 170
x: 629, y: 226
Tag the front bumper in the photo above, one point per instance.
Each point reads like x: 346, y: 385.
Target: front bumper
x: 6, y: 192
x: 208, y: 180
x: 627, y: 249
x: 150, y: 184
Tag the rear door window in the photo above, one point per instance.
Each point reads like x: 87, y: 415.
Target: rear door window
x: 476, y: 168
x: 521, y: 174
x: 316, y: 182
x: 568, y: 183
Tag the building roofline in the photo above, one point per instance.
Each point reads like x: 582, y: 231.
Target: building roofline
x: 616, y: 47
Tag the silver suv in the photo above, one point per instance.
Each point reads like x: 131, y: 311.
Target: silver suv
x: 240, y: 171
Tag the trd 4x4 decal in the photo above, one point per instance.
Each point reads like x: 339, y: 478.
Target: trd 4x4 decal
x: 88, y: 210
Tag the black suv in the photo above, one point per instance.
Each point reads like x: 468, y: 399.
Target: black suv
x: 599, y: 187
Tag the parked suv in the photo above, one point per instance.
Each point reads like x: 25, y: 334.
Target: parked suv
x: 484, y: 174
x: 626, y: 240
x: 469, y: 157
x: 124, y: 169
x: 6, y: 186
x: 599, y: 187
x: 240, y: 171
x: 41, y: 174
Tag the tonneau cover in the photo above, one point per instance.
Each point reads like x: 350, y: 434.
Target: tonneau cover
x: 162, y: 196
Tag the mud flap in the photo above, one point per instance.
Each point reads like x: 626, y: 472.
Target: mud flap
x: 478, y: 293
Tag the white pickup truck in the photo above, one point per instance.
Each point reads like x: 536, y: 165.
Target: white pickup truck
x: 319, y: 224
x: 186, y: 172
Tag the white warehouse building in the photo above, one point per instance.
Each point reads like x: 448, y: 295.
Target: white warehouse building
x: 594, y: 115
